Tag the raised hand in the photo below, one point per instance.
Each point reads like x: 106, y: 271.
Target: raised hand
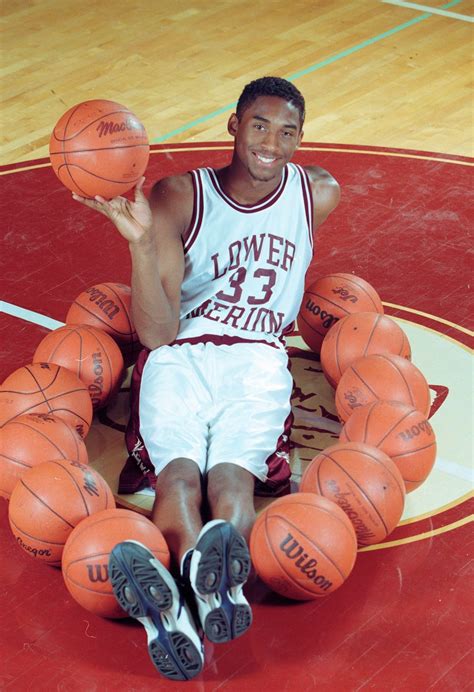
x: 132, y: 219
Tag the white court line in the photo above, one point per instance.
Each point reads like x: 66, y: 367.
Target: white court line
x: 29, y: 315
x: 431, y: 10
x: 454, y: 469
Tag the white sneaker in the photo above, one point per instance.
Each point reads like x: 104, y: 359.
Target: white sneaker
x: 218, y: 569
x: 147, y: 592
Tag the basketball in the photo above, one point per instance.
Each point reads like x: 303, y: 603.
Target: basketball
x: 330, y: 298
x: 357, y: 335
x: 49, y: 501
x: 364, y: 482
x: 88, y: 352
x: 381, y: 376
x: 46, y: 388
x: 99, y: 147
x: 31, y: 439
x: 87, y: 550
x: 303, y: 546
x: 107, y: 306
x: 402, y: 432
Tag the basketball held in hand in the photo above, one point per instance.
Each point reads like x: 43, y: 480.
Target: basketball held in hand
x: 99, y: 147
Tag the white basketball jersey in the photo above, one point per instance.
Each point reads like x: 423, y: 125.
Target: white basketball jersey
x: 245, y: 264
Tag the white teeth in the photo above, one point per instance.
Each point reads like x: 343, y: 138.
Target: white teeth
x: 264, y: 159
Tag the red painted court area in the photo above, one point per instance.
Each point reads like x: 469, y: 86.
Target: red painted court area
x: 403, y: 619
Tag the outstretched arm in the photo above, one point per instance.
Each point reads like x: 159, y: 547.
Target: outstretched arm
x: 153, y: 230
x: 326, y: 193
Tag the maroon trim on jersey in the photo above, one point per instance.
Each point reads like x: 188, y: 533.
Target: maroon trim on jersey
x: 262, y: 204
x: 278, y: 466
x: 307, y: 199
x: 194, y: 227
x: 220, y: 340
x: 288, y: 329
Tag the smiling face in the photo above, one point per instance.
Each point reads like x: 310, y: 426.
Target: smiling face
x: 266, y: 137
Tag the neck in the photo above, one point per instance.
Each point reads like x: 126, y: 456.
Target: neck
x: 238, y: 184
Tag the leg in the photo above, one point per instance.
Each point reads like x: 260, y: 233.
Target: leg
x: 230, y: 491
x: 177, y: 507
x: 220, y: 562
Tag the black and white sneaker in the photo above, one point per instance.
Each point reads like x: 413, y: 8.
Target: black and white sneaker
x: 218, y: 569
x: 147, y: 592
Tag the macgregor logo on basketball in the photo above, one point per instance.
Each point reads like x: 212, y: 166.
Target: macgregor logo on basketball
x: 364, y: 534
x: 107, y: 127
x: 294, y: 551
x: 37, y: 552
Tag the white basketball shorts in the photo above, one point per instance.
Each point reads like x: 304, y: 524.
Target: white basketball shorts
x: 214, y: 404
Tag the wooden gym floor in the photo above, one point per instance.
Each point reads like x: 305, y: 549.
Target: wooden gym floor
x: 389, y: 99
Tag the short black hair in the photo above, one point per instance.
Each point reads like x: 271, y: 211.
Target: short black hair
x: 271, y: 86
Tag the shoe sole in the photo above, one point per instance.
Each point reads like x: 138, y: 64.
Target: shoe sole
x: 150, y: 596
x: 223, y: 567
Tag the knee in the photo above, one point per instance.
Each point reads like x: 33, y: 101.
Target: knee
x: 180, y: 479
x: 228, y: 484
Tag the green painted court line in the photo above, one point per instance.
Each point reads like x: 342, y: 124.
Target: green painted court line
x: 308, y: 70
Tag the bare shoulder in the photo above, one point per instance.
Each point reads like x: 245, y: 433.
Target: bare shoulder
x: 326, y: 192
x: 172, y: 198
x: 173, y: 185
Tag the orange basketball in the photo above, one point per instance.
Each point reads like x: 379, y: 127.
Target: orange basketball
x: 381, y: 376
x: 330, y: 298
x: 50, y: 500
x: 87, y: 550
x: 357, y: 335
x: 46, y: 388
x: 107, y: 306
x: 31, y: 439
x: 88, y: 352
x: 303, y: 546
x: 402, y: 432
x: 99, y: 147
x: 364, y: 482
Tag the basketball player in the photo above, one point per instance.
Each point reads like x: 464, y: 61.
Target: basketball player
x: 218, y: 265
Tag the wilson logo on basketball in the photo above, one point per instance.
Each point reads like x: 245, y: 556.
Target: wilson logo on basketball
x: 415, y: 430
x: 97, y: 573
x: 96, y: 387
x: 326, y: 318
x: 294, y: 551
x: 107, y: 306
x: 364, y: 535
x: 106, y: 127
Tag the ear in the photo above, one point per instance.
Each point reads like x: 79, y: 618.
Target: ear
x: 300, y: 139
x: 233, y: 124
